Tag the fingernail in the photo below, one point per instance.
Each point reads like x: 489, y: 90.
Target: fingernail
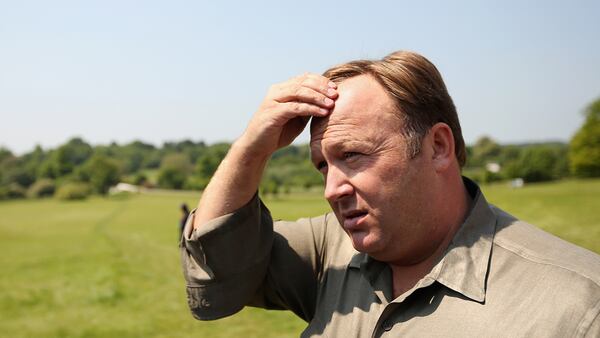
x: 324, y: 111
x: 331, y: 91
x: 328, y: 101
x: 332, y: 84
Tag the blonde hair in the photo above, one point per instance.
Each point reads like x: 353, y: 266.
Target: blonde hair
x: 418, y: 90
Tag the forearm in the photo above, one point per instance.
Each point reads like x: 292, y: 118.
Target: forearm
x: 234, y: 183
x: 279, y: 120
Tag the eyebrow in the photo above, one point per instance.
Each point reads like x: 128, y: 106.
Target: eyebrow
x: 334, y: 145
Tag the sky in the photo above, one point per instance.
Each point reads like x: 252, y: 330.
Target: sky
x: 156, y: 71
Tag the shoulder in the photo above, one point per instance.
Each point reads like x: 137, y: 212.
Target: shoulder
x: 552, y: 280
x: 322, y: 226
x: 325, y: 233
x: 536, y: 246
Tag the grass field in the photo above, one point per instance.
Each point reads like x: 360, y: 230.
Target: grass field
x: 109, y: 267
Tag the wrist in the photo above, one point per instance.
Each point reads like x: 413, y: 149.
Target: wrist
x: 248, y: 149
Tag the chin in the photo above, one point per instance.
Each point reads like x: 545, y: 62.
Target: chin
x: 365, y: 242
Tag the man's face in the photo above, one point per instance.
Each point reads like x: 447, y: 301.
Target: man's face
x: 376, y: 191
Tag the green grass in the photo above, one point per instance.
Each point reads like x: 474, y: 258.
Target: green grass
x: 568, y: 208
x: 110, y: 267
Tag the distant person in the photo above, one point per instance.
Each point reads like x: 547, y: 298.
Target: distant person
x: 411, y: 249
x: 185, y: 212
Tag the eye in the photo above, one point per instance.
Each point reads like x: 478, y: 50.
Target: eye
x: 350, y: 155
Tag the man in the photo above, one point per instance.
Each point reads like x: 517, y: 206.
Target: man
x: 412, y: 248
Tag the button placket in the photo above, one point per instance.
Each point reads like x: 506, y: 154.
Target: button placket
x: 386, y: 320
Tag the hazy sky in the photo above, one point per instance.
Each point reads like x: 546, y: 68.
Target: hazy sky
x: 172, y: 70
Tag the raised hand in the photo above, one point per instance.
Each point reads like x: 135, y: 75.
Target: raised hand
x: 285, y: 111
x: 281, y: 117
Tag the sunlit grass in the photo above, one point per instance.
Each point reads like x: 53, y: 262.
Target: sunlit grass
x: 569, y: 209
x: 110, y: 267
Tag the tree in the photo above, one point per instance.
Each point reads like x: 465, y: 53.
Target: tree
x: 270, y: 185
x: 102, y: 173
x: 12, y: 170
x: 207, y: 164
x: 584, y: 152
x: 66, y: 158
x: 174, y: 170
x: 134, y: 155
x: 485, y: 150
x: 5, y: 153
x: 34, y: 160
x: 538, y: 163
x: 13, y: 176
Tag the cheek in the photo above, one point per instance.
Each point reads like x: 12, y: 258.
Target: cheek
x: 370, y: 190
x: 389, y: 181
x: 395, y: 195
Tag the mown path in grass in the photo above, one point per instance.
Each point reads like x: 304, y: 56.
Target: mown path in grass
x: 109, y: 267
x: 105, y: 268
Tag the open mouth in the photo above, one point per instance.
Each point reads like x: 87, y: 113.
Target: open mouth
x: 353, y: 218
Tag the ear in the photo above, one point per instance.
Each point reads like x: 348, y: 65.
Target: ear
x: 442, y: 143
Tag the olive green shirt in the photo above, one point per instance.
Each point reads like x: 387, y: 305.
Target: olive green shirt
x: 499, y: 277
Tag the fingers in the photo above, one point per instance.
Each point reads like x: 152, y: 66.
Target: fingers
x: 309, y: 88
x: 293, y: 109
x: 286, y: 110
x: 296, y: 93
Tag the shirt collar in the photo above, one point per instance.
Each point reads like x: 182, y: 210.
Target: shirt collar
x: 464, y: 266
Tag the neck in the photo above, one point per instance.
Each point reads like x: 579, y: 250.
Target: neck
x: 406, y: 276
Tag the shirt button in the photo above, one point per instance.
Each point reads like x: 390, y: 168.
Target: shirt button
x: 192, y: 303
x: 387, y: 325
x: 204, y: 302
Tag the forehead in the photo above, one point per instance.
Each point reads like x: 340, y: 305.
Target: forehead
x: 363, y: 109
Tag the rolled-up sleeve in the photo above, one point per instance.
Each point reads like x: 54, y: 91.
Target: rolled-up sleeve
x: 244, y: 258
x: 225, y: 260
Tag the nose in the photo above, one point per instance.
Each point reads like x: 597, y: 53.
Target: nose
x: 337, y: 185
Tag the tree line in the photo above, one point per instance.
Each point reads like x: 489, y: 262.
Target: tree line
x: 77, y: 169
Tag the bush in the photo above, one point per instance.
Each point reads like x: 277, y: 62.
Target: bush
x: 41, y: 188
x: 12, y: 191
x: 174, y: 171
x: 538, y: 164
x: 269, y: 186
x: 171, y: 178
x: 16, y: 191
x: 101, y: 172
x: 195, y: 183
x: 73, y: 191
x: 140, y: 179
x: 490, y: 177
